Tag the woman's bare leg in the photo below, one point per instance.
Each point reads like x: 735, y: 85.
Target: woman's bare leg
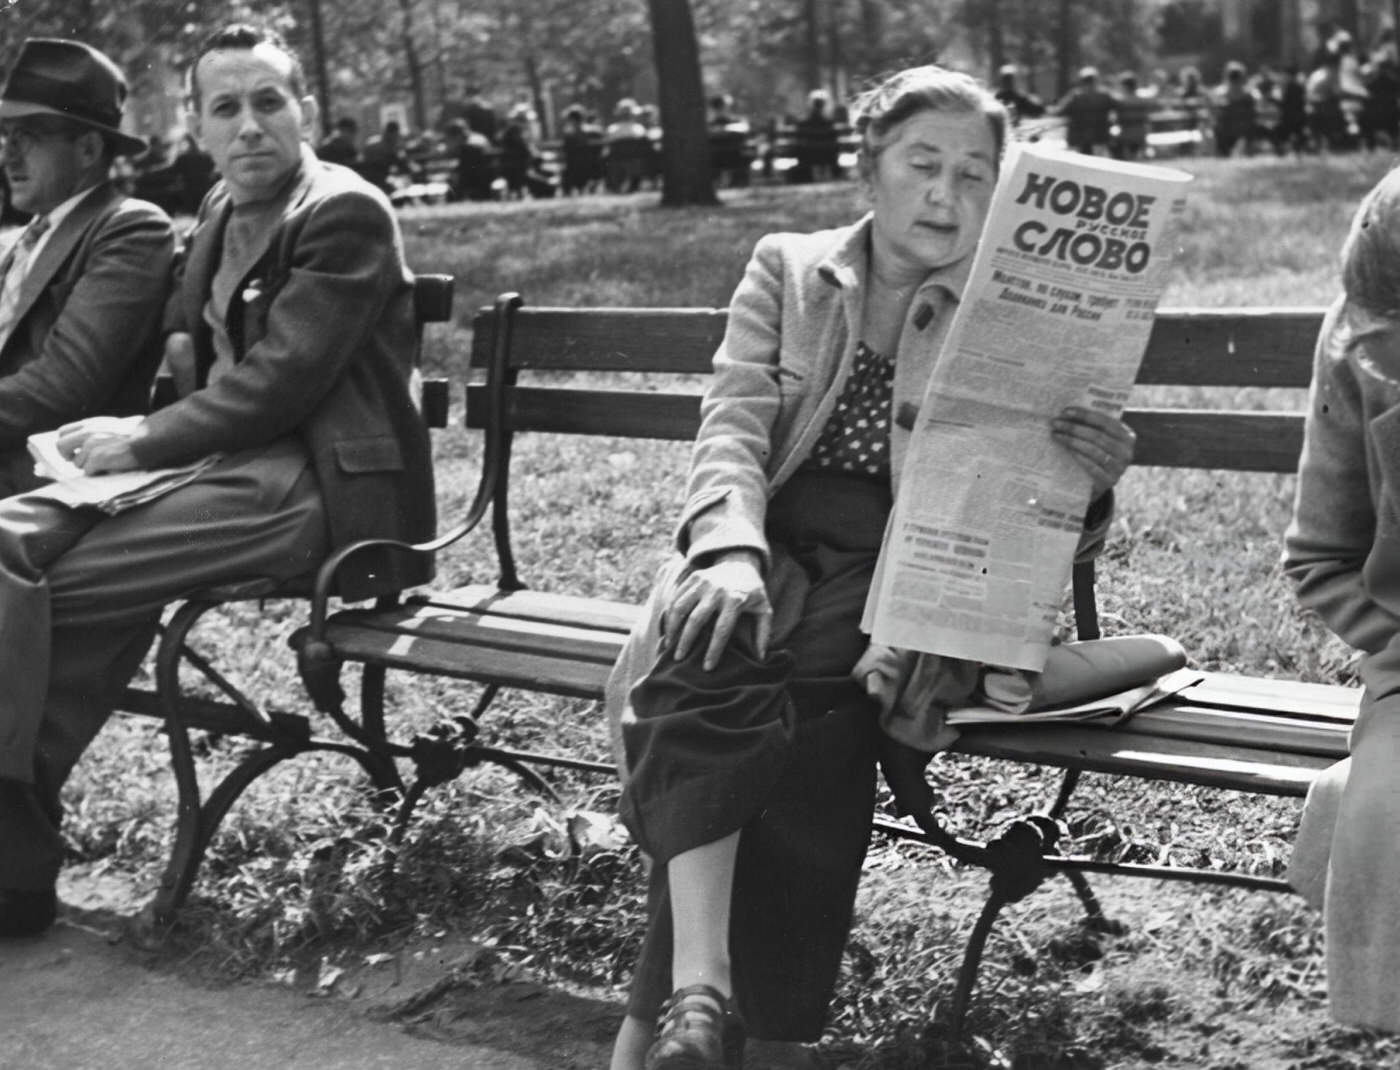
x: 701, y: 882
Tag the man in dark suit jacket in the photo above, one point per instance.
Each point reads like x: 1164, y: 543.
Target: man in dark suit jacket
x: 291, y: 341
x: 84, y: 283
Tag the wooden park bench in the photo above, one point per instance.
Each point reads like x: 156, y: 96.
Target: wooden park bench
x: 1262, y: 736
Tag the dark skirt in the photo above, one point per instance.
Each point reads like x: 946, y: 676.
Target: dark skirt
x: 781, y: 749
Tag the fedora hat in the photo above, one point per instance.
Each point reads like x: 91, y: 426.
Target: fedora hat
x: 52, y: 76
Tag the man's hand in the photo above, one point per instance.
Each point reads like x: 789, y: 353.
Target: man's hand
x: 723, y: 593
x: 101, y: 443
x: 1102, y: 444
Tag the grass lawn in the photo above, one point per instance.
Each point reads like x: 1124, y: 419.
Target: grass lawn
x: 1201, y: 978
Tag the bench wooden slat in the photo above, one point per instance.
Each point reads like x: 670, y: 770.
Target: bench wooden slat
x: 427, y: 655
x: 1176, y: 438
x: 1284, y: 735
x: 467, y: 627
x: 1291, y: 698
x: 681, y: 340
x: 1231, y: 347
x: 619, y: 413
x: 1201, y: 347
x: 1231, y: 441
x: 1209, y: 764
x: 547, y: 606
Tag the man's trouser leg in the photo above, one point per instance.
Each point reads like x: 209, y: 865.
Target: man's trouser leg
x: 79, y: 609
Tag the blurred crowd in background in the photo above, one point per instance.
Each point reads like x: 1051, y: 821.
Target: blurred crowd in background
x: 1342, y: 100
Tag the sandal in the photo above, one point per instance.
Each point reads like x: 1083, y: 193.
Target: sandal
x: 699, y: 1030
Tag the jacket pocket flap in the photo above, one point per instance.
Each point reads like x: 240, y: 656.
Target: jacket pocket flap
x: 381, y: 454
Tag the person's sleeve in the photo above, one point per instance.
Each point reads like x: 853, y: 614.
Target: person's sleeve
x: 1334, y: 521
x: 727, y: 495
x: 106, y: 326
x: 343, y: 269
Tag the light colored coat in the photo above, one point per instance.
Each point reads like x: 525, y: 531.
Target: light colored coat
x: 1342, y: 552
x: 787, y: 351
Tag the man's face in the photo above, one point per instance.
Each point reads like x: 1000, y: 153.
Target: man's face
x: 249, y: 118
x: 43, y: 160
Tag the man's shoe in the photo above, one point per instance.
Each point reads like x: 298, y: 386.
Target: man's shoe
x: 27, y: 911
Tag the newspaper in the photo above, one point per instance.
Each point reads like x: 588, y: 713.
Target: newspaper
x: 112, y: 492
x: 1105, y: 710
x: 1057, y: 310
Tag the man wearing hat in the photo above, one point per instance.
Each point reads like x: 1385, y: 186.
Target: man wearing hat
x: 82, y: 287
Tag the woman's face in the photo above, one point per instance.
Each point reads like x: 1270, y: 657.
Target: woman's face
x: 930, y: 187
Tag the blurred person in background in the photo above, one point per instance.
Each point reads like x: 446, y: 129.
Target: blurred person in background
x: 342, y: 146
x: 1134, y: 119
x: 1088, y: 113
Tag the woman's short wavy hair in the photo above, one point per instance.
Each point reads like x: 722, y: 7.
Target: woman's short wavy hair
x: 1371, y: 252
x: 880, y: 111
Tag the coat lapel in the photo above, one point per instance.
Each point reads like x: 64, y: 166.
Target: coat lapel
x: 61, y: 244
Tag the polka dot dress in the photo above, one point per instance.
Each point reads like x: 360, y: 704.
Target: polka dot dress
x: 856, y: 438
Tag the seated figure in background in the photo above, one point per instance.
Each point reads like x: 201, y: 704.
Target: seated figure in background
x: 342, y: 146
x: 627, y: 149
x: 816, y: 145
x: 291, y: 338
x: 84, y: 283
x: 473, y: 159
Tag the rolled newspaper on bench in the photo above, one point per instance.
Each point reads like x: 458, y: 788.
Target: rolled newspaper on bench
x: 1102, y: 680
x: 1082, y: 671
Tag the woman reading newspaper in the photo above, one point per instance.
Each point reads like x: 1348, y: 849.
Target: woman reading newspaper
x: 747, y: 701
x: 1342, y: 554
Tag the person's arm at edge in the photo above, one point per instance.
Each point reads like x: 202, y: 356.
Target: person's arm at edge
x: 1332, y: 529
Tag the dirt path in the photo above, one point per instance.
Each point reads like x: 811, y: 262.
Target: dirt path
x: 81, y: 998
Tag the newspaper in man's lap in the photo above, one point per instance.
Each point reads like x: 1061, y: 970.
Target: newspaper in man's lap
x: 113, y: 492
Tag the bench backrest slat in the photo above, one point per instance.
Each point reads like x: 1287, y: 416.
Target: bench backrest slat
x: 662, y: 340
x: 1229, y: 348
x: 1202, y: 438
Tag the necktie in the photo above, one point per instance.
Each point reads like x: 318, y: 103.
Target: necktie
x: 17, y: 264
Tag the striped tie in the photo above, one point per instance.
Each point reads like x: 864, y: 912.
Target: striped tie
x: 16, y: 265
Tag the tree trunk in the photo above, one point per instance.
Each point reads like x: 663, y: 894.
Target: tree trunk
x: 838, y: 60
x: 415, y: 68
x: 685, y: 143
x: 318, y: 60
x: 1066, y: 50
x: 813, y: 53
x: 996, y: 41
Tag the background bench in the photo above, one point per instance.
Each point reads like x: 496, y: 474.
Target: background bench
x: 539, y: 371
